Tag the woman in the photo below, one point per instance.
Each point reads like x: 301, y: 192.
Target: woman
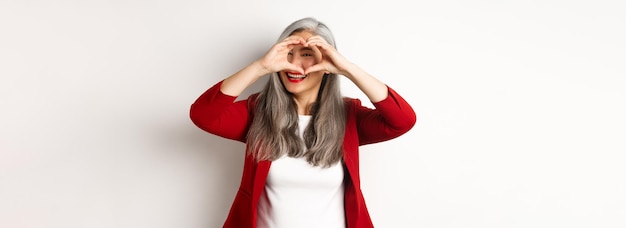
x: 302, y: 137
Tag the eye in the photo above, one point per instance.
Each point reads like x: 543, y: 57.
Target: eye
x: 307, y: 55
x: 290, y: 53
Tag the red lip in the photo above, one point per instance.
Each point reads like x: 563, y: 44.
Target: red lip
x: 295, y: 80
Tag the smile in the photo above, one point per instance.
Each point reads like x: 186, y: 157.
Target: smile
x: 295, y: 77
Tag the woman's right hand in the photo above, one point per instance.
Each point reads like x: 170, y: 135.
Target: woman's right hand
x: 276, y: 59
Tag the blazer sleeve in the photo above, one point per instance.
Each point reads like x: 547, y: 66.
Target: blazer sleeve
x: 219, y: 114
x: 390, y: 118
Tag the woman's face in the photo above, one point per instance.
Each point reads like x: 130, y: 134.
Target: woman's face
x: 303, y: 86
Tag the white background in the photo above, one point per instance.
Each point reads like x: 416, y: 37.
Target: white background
x: 520, y: 107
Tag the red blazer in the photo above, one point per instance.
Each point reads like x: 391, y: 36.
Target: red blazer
x: 219, y: 114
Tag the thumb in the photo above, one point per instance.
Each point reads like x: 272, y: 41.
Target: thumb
x: 293, y: 68
x: 315, y: 68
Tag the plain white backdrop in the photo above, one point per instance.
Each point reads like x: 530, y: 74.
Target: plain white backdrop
x: 520, y: 108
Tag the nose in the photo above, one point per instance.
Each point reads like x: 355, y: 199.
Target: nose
x: 301, y: 61
x: 295, y: 59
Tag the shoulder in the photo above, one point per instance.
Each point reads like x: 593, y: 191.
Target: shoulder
x: 352, y: 105
x: 350, y: 101
x: 252, y: 101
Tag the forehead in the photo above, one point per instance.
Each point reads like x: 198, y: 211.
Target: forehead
x: 304, y: 34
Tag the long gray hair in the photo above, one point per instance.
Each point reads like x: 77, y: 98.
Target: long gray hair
x: 274, y: 129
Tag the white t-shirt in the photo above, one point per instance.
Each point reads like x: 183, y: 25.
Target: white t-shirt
x: 299, y: 195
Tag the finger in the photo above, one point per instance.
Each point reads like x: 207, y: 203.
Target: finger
x: 316, y: 68
x: 317, y: 38
x: 293, y: 68
x: 294, y: 40
x: 319, y: 55
x: 290, y: 43
x: 322, y: 46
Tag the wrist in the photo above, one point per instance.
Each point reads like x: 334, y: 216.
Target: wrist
x: 350, y: 70
x: 260, y: 68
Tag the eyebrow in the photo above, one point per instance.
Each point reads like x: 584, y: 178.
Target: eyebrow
x: 306, y: 49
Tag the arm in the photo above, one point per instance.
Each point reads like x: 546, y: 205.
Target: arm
x: 374, y: 89
x: 219, y: 114
x: 334, y: 62
x: 274, y: 60
x: 392, y: 117
x: 216, y: 111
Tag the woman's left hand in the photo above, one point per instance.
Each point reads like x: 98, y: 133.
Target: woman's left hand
x: 332, y: 61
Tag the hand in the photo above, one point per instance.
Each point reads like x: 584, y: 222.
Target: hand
x: 275, y: 59
x: 332, y: 61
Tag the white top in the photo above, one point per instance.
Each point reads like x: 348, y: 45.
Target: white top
x: 300, y: 195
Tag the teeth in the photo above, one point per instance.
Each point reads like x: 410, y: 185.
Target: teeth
x: 296, y: 76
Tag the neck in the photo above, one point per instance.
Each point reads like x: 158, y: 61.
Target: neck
x: 304, y: 105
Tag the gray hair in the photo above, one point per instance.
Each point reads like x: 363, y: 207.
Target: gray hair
x: 273, y: 132
x: 309, y: 24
